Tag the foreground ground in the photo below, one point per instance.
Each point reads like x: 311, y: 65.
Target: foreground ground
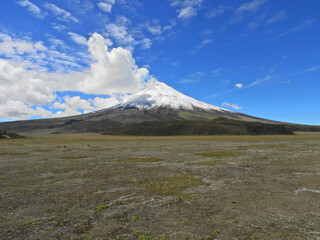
x: 100, y: 187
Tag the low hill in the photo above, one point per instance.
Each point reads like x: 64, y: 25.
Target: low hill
x: 218, y: 126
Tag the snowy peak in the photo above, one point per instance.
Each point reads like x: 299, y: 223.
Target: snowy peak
x: 157, y: 94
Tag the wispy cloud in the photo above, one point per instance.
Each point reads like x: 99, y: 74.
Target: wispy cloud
x: 217, y: 11
x: 145, y: 43
x: 267, y: 78
x: 59, y: 27
x: 251, y: 6
x: 31, y: 7
x: 120, y: 32
x: 231, y: 105
x: 188, y: 81
x: 246, y: 9
x: 278, y: 17
x: 153, y: 27
x: 36, y: 55
x: 57, y: 42
x: 187, y: 8
x: 60, y: 13
x: 77, y: 38
x: 193, y: 78
x: 202, y: 44
x: 301, y: 26
x: 283, y: 77
x: 259, y: 81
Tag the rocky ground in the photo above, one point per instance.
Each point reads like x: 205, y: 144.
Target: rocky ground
x: 101, y: 187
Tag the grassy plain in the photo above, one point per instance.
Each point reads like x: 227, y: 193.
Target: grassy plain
x: 216, y: 187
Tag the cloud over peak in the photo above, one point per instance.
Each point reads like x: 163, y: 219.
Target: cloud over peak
x: 113, y: 71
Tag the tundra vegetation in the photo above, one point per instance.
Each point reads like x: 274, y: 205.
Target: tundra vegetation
x: 87, y: 186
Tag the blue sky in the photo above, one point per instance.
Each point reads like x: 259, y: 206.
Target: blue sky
x: 61, y: 58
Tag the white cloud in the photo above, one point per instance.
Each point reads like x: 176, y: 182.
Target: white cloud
x: 102, y: 103
x: 121, y: 35
x: 231, y: 105
x: 251, y: 6
x: 57, y: 42
x: 187, y: 8
x: 19, y: 84
x: 187, y: 12
x: 17, y: 110
x: 239, y: 85
x: 154, y: 27
x: 145, y: 43
x: 112, y: 72
x: 59, y: 27
x: 31, y: 7
x: 35, y: 55
x: 77, y: 38
x: 74, y: 103
x: 23, y: 92
x: 60, y: 13
x: 106, y: 5
x: 10, y: 46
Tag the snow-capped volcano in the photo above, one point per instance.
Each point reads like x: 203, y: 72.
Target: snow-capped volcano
x: 159, y: 95
x: 155, y: 110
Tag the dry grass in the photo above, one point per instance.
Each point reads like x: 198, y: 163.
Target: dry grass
x: 12, y: 154
x: 175, y: 185
x: 208, y: 163
x: 145, y: 160
x: 76, y: 188
x: 219, y: 154
x: 74, y: 157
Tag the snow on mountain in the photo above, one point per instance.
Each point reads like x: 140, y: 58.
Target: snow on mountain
x: 157, y: 94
